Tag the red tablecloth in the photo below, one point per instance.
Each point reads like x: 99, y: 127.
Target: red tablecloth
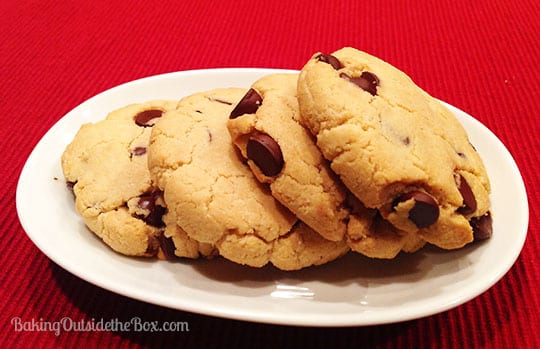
x: 481, y: 56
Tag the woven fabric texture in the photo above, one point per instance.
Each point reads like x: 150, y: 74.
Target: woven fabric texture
x: 480, y: 56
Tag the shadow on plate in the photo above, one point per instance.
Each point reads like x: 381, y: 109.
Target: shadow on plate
x: 346, y: 279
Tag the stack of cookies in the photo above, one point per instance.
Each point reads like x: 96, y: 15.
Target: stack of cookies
x: 298, y: 170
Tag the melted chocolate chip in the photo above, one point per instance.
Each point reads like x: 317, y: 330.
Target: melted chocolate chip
x: 143, y: 118
x: 166, y: 245
x: 156, y: 212
x: 469, y: 201
x: 264, y: 151
x: 138, y: 151
x: 333, y: 61
x: 247, y: 105
x: 425, y: 211
x: 482, y: 227
x: 366, y: 81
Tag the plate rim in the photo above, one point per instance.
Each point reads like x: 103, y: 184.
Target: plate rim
x: 224, y: 311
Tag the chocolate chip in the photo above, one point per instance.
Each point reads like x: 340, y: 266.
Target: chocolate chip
x: 156, y: 212
x: 143, y: 118
x: 264, y: 151
x: 138, y: 151
x: 333, y: 61
x: 482, y: 227
x: 425, y: 211
x: 469, y: 201
x: 247, y: 105
x: 367, y: 81
x: 166, y: 245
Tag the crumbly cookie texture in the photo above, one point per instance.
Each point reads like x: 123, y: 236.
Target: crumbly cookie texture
x: 106, y: 167
x: 399, y: 150
x: 265, y: 127
x: 183, y: 245
x: 215, y: 197
x: 271, y: 138
x: 373, y: 236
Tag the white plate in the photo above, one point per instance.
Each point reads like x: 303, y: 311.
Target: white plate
x: 349, y: 292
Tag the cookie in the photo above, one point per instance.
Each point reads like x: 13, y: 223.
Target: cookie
x: 216, y: 198
x: 106, y: 167
x: 281, y: 152
x: 399, y: 150
x: 265, y: 127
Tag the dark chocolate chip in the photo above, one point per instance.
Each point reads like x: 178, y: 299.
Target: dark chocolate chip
x: 138, y: 151
x: 333, y: 61
x: 247, y: 105
x: 425, y: 211
x: 482, y: 226
x: 166, y: 245
x: 469, y: 201
x: 367, y: 81
x: 156, y: 212
x: 264, y: 151
x: 143, y: 118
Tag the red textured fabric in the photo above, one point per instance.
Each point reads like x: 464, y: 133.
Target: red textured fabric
x: 481, y: 56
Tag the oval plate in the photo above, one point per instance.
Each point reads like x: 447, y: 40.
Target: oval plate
x: 352, y: 291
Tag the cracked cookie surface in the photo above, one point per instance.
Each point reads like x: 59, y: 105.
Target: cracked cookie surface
x: 304, y: 183
x: 106, y: 167
x: 399, y: 150
x: 265, y: 127
x: 216, y: 198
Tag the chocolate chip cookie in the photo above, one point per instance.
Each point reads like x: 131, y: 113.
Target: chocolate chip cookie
x: 216, y: 198
x: 106, y: 167
x: 281, y: 152
x: 399, y: 150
